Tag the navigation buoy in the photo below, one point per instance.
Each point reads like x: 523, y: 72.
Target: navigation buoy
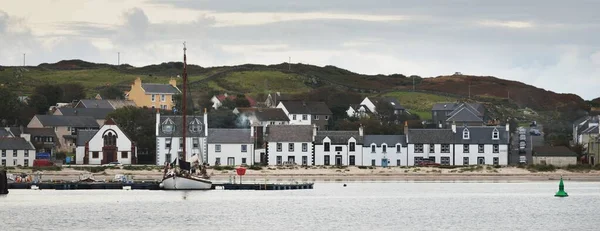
x: 561, y: 189
x: 344, y: 185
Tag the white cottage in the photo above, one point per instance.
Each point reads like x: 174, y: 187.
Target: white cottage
x: 289, y: 144
x: 340, y: 148
x: 169, y: 137
x: 385, y: 150
x: 106, y: 145
x: 307, y: 113
x: 17, y: 151
x: 230, y: 146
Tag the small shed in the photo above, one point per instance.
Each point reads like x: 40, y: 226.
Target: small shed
x: 559, y: 156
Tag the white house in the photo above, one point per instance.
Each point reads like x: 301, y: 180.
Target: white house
x: 106, y: 145
x: 358, y: 110
x: 338, y: 147
x: 169, y: 137
x: 369, y: 104
x: 230, y: 146
x: 307, y: 113
x: 466, y: 145
x: 384, y: 151
x: 289, y: 144
x: 17, y: 151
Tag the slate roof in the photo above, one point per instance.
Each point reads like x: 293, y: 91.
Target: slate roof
x: 271, y: 114
x: 465, y: 115
x: 289, y: 133
x: 97, y: 113
x: 306, y: 107
x: 4, y: 133
x: 84, y: 136
x: 394, y: 102
x: 556, y: 151
x: 477, y: 108
x: 94, y: 103
x: 481, y: 135
x: 177, y: 121
x: 338, y: 137
x: 15, y: 143
x: 591, y: 130
x: 40, y: 132
x: 278, y: 97
x: 229, y: 136
x: 157, y: 88
x: 117, y: 103
x: 389, y: 140
x: 69, y: 121
x: 444, y: 106
x: 430, y: 136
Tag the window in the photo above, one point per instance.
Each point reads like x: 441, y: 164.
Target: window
x: 326, y: 147
x: 466, y: 160
x: 293, y: 117
x: 465, y: 148
x: 495, y: 160
x: 384, y: 148
x: 480, y: 148
x: 279, y: 147
x: 352, y: 160
x: 110, y: 139
x: 445, y: 148
x: 124, y: 155
x: 217, y: 148
x: 495, y: 134
x: 153, y: 96
x: 95, y: 155
x: 168, y: 128
x: 162, y: 98
x: 3, y: 162
x: 26, y: 163
x: 398, y: 148
x: 352, y: 147
x: 445, y: 160
x: 418, y: 160
x: 218, y: 161
x: 326, y: 117
x: 418, y: 148
x: 304, y: 117
x: 398, y: 162
x: 168, y: 157
x: 326, y: 160
x: 244, y: 148
x: 181, y: 143
x: 338, y: 148
x: 496, y: 148
x: 372, y: 148
x: 26, y: 153
x: 168, y: 143
x: 304, y: 147
x: 278, y: 160
x: 195, y: 142
x: 3, y: 153
x: 304, y: 160
x: 481, y: 160
x: 466, y: 134
x: 431, y: 148
x: 243, y: 160
x: 290, y: 147
x: 15, y: 154
x: 373, y: 163
x: 316, y: 117
x: 172, y: 99
x: 164, y: 107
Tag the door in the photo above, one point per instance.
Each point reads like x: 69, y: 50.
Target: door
x: 338, y: 160
x: 352, y: 160
x: 230, y: 161
x: 263, y: 158
x: 291, y: 160
x: 384, y: 162
x: 480, y: 160
x: 109, y: 154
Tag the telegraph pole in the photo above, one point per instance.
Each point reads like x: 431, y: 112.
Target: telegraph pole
x: 118, y: 58
x: 23, y: 59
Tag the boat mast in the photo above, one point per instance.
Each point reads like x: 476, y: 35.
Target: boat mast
x: 184, y: 101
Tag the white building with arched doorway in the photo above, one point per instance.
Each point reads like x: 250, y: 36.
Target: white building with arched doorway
x: 106, y: 145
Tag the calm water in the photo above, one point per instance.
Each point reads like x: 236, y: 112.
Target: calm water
x: 330, y: 206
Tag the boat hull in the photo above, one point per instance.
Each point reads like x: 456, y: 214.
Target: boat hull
x: 185, y: 183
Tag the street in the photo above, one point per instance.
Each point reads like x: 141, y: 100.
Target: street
x: 531, y: 142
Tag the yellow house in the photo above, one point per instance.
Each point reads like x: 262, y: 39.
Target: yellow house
x: 153, y: 95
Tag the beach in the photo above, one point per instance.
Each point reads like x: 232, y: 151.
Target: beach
x: 319, y: 173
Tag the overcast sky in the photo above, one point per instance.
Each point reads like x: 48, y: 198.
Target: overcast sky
x: 552, y: 44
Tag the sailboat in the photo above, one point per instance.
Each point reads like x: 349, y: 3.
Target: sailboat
x: 181, y: 174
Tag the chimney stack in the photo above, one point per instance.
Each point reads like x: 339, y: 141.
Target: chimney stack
x: 453, y: 127
x: 157, y: 121
x: 405, y: 128
x: 314, y: 132
x: 507, y: 126
x: 205, y: 123
x: 360, y: 130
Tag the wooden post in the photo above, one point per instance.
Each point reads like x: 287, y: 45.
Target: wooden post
x: 3, y: 182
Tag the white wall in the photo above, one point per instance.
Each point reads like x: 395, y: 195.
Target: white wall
x: 79, y: 154
x: 97, y: 143
x: 350, y: 112
x: 559, y: 161
x: 298, y: 120
x: 456, y: 154
x: 19, y: 159
x: 216, y: 102
x: 391, y: 155
x: 285, y: 153
x: 230, y: 150
x: 162, y: 150
x: 367, y: 102
x: 345, y: 153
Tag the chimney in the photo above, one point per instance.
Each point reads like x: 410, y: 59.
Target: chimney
x: 22, y: 129
x: 314, y: 131
x: 507, y: 126
x: 360, y: 130
x: 205, y: 123
x: 405, y: 128
x: 26, y: 137
x: 138, y: 81
x: 157, y: 121
x: 453, y: 127
x: 173, y: 82
x: 75, y: 111
x: 251, y: 131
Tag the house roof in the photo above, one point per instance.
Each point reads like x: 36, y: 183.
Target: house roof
x: 430, y: 136
x: 40, y: 132
x: 229, y: 136
x: 177, y: 123
x: 481, y: 135
x: 444, y: 106
x: 289, y: 133
x: 394, y: 102
x: 5, y: 133
x: 465, y: 115
x: 158, y: 88
x: 476, y: 108
x: 69, y: 121
x: 591, y: 130
x: 94, y: 103
x: 306, y: 107
x: 338, y: 137
x: 97, y: 113
x: 357, y: 106
x: 83, y: 136
x: 271, y: 114
x: 553, y: 151
x: 15, y: 143
x: 119, y: 103
x: 277, y: 97
x: 389, y: 140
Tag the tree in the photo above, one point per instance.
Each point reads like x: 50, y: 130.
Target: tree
x: 72, y: 91
x: 241, y: 101
x: 579, y: 149
x: 39, y: 103
x: 11, y: 107
x: 222, y: 119
x: 190, y: 109
x: 112, y: 92
x: 139, y: 124
x: 53, y: 93
x: 227, y: 104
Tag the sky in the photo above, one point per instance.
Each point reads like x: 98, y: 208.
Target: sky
x: 551, y: 44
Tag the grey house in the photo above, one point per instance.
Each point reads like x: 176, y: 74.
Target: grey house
x: 307, y: 113
x: 471, y: 114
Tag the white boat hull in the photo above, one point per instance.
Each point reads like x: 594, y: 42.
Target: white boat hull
x: 184, y: 183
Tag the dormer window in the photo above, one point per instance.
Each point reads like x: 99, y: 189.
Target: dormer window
x: 168, y: 127
x: 495, y: 134
x: 195, y: 126
x: 466, y: 134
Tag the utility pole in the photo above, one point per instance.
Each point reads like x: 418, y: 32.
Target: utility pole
x: 118, y: 58
x: 23, y: 59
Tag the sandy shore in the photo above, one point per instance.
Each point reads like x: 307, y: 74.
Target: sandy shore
x: 347, y: 174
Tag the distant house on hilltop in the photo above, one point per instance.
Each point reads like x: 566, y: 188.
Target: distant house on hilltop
x: 154, y: 95
x: 307, y: 113
x: 369, y: 106
x: 472, y: 114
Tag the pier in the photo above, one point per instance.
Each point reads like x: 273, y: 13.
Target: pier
x: 149, y: 186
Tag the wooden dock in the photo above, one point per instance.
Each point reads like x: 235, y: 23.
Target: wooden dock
x: 150, y: 186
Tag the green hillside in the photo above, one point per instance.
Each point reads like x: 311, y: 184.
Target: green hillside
x: 419, y: 103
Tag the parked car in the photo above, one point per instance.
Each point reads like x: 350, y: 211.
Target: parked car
x: 535, y: 132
